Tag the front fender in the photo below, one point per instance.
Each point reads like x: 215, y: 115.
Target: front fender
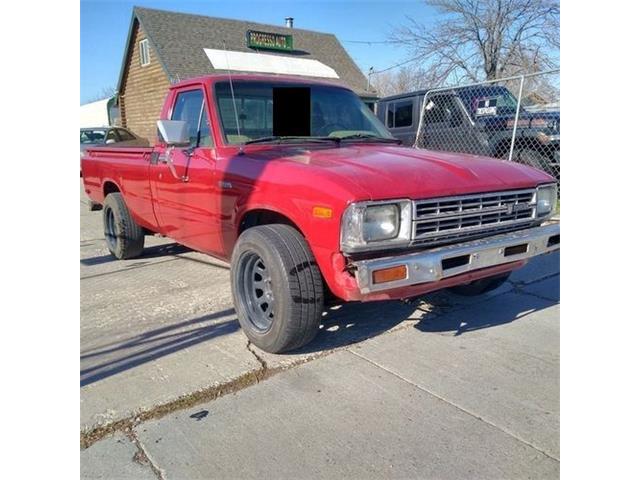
x: 322, y: 234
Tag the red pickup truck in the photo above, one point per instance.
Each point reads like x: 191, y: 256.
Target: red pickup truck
x: 307, y: 195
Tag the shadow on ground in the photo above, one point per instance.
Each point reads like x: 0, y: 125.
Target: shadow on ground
x: 111, y: 359
x: 149, y: 252
x: 439, y: 312
x: 341, y: 325
x: 497, y: 310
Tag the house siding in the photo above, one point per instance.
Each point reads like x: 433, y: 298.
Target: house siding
x: 143, y: 89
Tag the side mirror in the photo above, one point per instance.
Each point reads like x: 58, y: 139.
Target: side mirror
x: 174, y: 132
x: 110, y: 141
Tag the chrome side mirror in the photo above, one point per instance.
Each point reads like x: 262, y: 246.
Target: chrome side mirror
x: 174, y: 132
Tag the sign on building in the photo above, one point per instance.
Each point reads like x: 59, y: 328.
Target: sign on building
x: 269, y: 41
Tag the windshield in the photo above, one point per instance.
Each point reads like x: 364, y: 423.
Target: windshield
x: 92, y: 136
x: 289, y: 110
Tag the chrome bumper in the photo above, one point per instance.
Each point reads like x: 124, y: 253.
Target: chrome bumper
x: 439, y: 263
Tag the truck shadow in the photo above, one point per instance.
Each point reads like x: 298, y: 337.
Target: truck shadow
x: 439, y: 313
x: 156, y: 251
x: 112, y: 358
x: 342, y: 325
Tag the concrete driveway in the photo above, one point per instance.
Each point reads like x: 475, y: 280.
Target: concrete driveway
x: 448, y: 387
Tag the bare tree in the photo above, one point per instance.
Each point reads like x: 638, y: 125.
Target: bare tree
x: 105, y: 92
x: 405, y: 79
x: 476, y: 40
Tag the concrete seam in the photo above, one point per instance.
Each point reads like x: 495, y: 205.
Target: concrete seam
x: 143, y: 457
x: 248, y: 379
x: 462, y: 409
x: 260, y: 360
x: 534, y: 281
x: 540, y: 297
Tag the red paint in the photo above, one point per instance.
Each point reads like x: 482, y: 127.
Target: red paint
x: 288, y: 179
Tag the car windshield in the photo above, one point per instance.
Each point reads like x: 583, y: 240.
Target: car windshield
x: 92, y: 136
x: 267, y: 111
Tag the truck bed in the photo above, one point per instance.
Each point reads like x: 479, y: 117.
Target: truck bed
x: 124, y: 169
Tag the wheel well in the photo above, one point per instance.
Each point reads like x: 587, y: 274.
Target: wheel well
x: 257, y: 217
x: 109, y: 187
x: 254, y: 218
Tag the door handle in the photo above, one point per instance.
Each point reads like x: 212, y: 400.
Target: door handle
x: 165, y: 158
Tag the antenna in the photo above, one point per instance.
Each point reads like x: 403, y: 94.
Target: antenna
x: 233, y: 97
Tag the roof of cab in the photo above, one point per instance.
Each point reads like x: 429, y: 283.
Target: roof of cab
x: 256, y: 77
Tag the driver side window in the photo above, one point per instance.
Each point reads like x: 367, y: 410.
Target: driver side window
x: 190, y: 107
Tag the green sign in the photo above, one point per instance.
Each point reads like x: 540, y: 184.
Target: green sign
x: 269, y: 41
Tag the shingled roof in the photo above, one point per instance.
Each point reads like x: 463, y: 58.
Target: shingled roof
x: 179, y: 40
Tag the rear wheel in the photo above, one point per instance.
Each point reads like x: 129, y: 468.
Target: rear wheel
x: 478, y: 287
x: 125, y: 238
x: 277, y: 288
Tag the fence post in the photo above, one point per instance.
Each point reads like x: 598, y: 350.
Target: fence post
x: 515, y: 124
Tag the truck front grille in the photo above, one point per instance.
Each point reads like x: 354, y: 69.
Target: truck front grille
x: 449, y: 219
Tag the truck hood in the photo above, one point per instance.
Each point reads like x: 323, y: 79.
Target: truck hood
x: 389, y: 171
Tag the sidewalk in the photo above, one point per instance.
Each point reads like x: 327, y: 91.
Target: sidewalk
x: 470, y: 390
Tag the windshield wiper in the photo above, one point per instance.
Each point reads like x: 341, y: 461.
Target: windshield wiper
x: 369, y: 137
x: 282, y: 139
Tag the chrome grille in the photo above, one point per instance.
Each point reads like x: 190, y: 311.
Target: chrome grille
x: 440, y: 220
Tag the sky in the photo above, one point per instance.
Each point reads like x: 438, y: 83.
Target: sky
x: 104, y: 26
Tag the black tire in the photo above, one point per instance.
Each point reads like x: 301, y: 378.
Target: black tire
x: 125, y: 238
x: 478, y: 287
x: 277, y: 288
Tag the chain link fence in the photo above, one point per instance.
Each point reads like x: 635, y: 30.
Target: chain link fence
x: 515, y: 118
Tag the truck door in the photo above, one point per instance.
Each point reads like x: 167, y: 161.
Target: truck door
x: 447, y: 127
x: 183, y: 178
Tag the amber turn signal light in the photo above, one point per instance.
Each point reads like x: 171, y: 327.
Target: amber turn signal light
x: 322, y: 212
x: 390, y: 274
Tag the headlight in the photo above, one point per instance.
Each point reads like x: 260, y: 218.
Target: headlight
x: 381, y: 222
x: 374, y: 225
x: 546, y: 198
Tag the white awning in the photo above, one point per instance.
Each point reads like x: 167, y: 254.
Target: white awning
x: 266, y: 63
x: 95, y: 114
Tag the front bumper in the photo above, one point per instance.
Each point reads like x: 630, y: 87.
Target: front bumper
x: 440, y: 263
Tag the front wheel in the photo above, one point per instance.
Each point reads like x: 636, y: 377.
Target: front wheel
x: 478, y: 287
x: 277, y: 288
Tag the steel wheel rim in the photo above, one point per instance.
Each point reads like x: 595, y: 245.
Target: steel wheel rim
x: 256, y: 291
x: 110, y: 228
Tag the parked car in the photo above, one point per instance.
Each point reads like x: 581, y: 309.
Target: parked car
x: 94, y: 137
x: 303, y: 191
x: 475, y: 119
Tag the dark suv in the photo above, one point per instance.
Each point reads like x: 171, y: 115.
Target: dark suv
x: 478, y: 120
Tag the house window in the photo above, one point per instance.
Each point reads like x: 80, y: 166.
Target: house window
x: 144, y: 52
